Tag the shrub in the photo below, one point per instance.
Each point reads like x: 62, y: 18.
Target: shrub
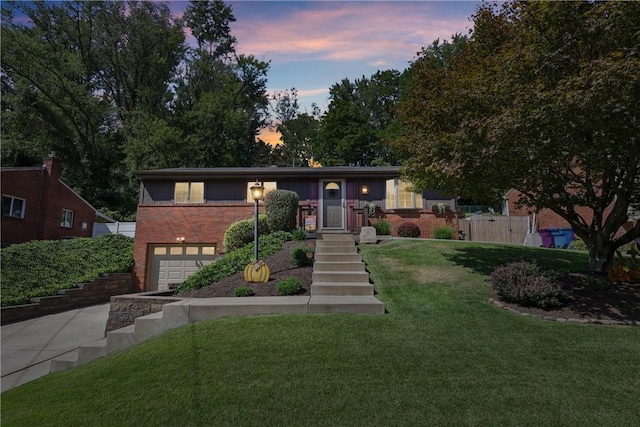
x: 299, y: 234
x: 233, y: 261
x: 43, y: 267
x: 290, y: 286
x: 525, y: 283
x: 243, y: 291
x: 302, y: 255
x: 443, y: 233
x: 408, y: 229
x: 579, y: 245
x: 383, y: 227
x: 281, y: 207
x: 241, y: 232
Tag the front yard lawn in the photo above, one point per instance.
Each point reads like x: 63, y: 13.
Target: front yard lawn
x: 443, y: 355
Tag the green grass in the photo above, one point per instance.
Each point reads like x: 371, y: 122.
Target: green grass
x: 443, y: 355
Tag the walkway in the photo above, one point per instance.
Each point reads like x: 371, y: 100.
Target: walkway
x: 28, y: 346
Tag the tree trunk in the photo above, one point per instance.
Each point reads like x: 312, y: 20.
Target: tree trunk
x: 601, y: 254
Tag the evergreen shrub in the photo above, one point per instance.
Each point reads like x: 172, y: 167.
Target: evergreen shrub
x: 302, y: 255
x: 243, y: 291
x: 241, y: 232
x: 281, y: 207
x: 445, y: 233
x: 290, y: 286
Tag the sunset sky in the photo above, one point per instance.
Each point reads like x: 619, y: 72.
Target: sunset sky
x: 313, y: 44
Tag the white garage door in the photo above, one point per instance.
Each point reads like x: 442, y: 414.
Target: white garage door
x: 172, y: 264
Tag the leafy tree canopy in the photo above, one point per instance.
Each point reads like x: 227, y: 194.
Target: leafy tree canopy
x: 112, y: 87
x: 545, y: 98
x: 360, y: 121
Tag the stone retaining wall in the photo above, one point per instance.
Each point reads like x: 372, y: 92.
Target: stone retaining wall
x: 126, y: 308
x: 94, y: 291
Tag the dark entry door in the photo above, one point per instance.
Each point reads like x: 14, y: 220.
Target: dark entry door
x: 332, y: 204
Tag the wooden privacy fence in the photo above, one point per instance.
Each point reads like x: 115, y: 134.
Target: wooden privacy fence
x: 501, y: 229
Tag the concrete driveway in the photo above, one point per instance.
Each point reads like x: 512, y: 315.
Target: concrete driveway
x: 28, y: 346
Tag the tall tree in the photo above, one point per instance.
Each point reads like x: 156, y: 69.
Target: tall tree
x: 298, y: 131
x: 112, y: 87
x: 360, y: 121
x: 79, y: 71
x: 545, y: 99
x: 222, y: 103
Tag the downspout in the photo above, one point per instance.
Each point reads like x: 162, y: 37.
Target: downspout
x: 41, y: 209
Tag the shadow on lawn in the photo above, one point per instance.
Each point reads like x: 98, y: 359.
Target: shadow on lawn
x: 590, y: 295
x: 484, y: 259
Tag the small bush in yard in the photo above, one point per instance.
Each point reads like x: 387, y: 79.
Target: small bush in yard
x: 383, y: 227
x: 281, y: 207
x: 299, y: 234
x: 579, y: 245
x: 241, y: 232
x: 526, y: 284
x: 408, y: 229
x: 445, y: 233
x: 290, y: 286
x: 302, y: 255
x: 243, y: 291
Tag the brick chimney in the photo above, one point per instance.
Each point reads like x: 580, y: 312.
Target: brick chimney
x: 52, y: 165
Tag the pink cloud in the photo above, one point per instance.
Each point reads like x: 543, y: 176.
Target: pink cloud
x: 370, y: 31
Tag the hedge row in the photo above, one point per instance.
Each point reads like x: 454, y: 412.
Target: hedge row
x: 43, y: 267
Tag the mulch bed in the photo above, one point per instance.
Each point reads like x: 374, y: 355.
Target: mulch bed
x: 281, y: 268
x: 591, y: 296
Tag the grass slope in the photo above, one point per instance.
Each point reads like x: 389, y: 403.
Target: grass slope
x: 442, y: 356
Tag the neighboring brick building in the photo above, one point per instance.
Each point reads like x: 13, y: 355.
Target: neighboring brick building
x: 546, y: 218
x: 183, y: 213
x: 38, y: 205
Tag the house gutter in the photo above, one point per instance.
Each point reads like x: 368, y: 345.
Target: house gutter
x: 270, y: 172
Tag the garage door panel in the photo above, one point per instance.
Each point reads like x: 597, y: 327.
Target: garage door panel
x: 168, y: 268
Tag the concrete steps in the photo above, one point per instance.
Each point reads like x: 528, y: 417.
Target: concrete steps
x: 340, y: 281
x: 340, y: 285
x: 346, y: 304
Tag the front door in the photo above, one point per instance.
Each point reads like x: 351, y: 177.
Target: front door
x: 333, y: 204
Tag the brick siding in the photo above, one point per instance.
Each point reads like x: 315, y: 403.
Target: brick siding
x: 46, y: 196
x: 197, y: 223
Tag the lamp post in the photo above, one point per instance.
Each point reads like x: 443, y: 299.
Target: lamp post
x: 257, y: 191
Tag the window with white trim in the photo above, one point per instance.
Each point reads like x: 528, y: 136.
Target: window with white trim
x: 13, y: 206
x: 268, y: 186
x: 189, y: 192
x: 400, y: 197
x: 66, y: 220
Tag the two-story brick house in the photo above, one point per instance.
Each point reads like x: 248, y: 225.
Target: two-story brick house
x: 183, y: 213
x: 38, y: 205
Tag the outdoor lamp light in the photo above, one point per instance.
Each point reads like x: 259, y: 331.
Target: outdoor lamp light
x: 365, y: 190
x: 257, y: 191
